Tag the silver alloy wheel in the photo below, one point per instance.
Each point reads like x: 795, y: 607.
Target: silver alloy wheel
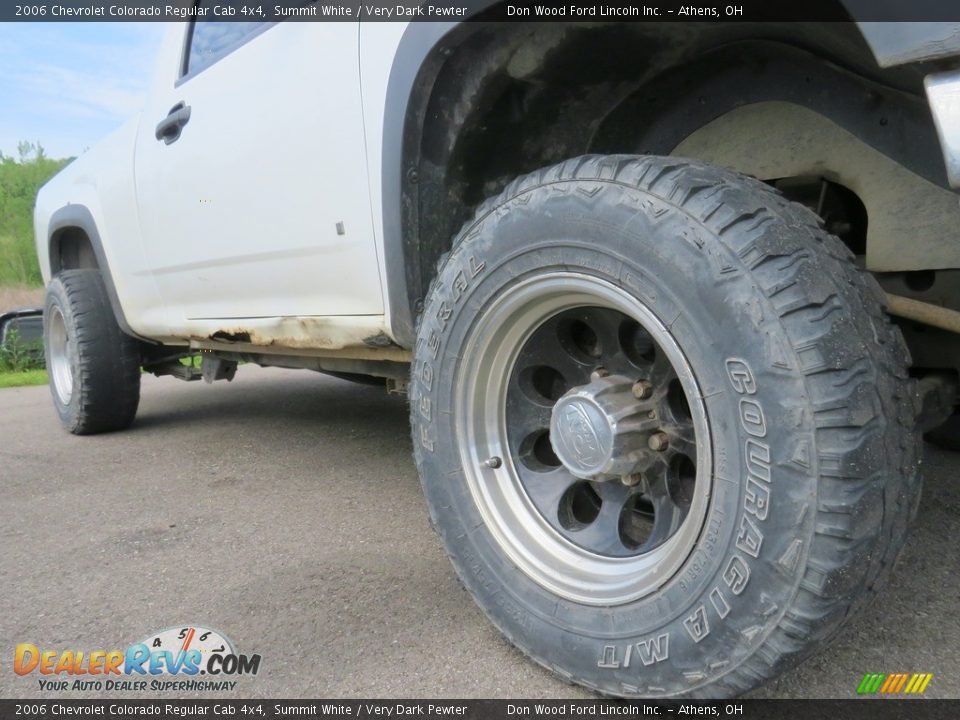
x: 493, y: 471
x: 61, y: 369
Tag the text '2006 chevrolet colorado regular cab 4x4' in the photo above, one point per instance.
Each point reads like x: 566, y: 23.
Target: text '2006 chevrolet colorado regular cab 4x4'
x: 672, y: 303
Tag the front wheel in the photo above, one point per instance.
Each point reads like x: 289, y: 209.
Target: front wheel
x: 664, y: 428
x: 94, y: 368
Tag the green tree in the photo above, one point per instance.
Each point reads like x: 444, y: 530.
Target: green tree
x: 20, y: 179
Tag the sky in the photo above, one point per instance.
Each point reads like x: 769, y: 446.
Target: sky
x: 66, y: 85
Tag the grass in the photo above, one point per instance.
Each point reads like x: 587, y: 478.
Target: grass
x: 22, y: 378
x: 20, y: 363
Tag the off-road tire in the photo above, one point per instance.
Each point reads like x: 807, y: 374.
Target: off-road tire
x: 104, y: 362
x: 793, y: 352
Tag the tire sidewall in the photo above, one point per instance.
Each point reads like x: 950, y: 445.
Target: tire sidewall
x: 743, y: 570
x: 57, y: 297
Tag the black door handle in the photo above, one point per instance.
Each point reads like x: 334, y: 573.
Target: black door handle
x: 170, y: 127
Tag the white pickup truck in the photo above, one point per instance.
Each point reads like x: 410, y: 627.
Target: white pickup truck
x: 637, y: 280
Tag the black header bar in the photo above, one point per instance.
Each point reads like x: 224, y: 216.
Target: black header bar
x: 454, y: 10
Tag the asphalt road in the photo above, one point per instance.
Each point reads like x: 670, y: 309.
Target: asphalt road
x: 284, y: 510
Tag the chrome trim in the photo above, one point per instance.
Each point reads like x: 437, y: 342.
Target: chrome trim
x: 59, y: 349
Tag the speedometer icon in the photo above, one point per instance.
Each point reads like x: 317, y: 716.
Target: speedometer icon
x: 183, y: 639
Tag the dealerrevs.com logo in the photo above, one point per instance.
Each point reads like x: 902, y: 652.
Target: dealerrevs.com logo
x: 172, y: 659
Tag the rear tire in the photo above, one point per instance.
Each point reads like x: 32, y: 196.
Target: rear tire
x: 94, y: 367
x: 806, y: 451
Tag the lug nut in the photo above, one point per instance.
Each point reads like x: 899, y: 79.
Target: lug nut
x: 642, y: 389
x: 632, y: 479
x: 598, y: 373
x: 493, y: 463
x: 658, y: 441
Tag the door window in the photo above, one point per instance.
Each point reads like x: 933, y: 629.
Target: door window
x: 211, y: 40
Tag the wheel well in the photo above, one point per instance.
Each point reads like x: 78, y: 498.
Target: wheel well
x: 71, y: 249
x: 501, y: 101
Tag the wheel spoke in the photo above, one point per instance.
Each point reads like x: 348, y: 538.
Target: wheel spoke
x: 683, y: 439
x: 667, y: 518
x: 605, y: 323
x: 603, y: 534
x: 661, y: 372
x: 546, y: 489
x: 526, y: 418
x: 553, y: 352
x: 612, y: 491
x: 668, y: 514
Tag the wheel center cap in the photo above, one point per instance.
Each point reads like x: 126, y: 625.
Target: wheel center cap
x: 581, y: 434
x: 599, y: 431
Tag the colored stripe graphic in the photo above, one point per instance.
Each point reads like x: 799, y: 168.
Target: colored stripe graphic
x: 894, y: 683
x: 915, y: 681
x: 888, y: 683
x: 864, y: 687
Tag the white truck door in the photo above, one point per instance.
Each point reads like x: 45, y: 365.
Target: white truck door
x: 251, y: 174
